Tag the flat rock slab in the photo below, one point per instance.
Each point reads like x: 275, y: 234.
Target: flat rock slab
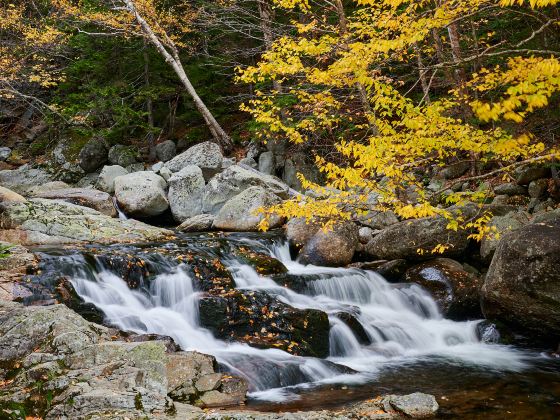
x: 41, y: 221
x: 86, y: 197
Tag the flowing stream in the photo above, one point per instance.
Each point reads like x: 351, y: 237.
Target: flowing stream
x: 403, y: 324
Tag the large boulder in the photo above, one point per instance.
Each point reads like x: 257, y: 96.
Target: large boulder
x: 332, y: 246
x: 185, y: 193
x: 93, y: 155
x: 267, y: 163
x: 122, y: 155
x: 526, y: 174
x: 232, y: 181
x: 207, y: 156
x: 522, y: 286
x: 240, y: 213
x: 98, y: 200
x: 299, y: 231
x: 106, y: 180
x: 141, y: 194
x: 166, y: 150
x: 256, y: 318
x: 415, y: 239
x: 455, y: 290
x: 500, y: 225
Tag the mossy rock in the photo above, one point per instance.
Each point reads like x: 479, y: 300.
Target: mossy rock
x: 262, y: 263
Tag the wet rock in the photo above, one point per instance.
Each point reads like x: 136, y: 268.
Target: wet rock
x: 334, y: 247
x: 299, y: 231
x: 93, y: 155
x: 200, y: 223
x: 185, y: 192
x: 455, y: 290
x: 501, y: 225
x: 262, y: 263
x: 352, y: 322
x: 166, y: 150
x: 106, y: 180
x: 240, y: 213
x: 122, y: 155
x: 392, y: 271
x: 531, y: 173
x: 510, y: 189
x: 522, y: 286
x: 209, y: 274
x: 141, y: 194
x: 256, y: 318
x: 41, y: 221
x: 233, y: 181
x: 98, y: 200
x: 207, y: 156
x: 488, y: 333
x: 134, y: 270
x: 14, y: 265
x: 538, y: 188
x: 404, y: 239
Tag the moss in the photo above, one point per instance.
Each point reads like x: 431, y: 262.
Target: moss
x: 138, y: 402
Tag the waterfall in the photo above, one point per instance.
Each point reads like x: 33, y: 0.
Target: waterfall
x: 122, y: 216
x: 400, y: 323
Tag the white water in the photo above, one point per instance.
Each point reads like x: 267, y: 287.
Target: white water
x: 401, y: 321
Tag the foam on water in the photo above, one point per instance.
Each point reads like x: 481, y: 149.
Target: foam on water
x: 402, y: 323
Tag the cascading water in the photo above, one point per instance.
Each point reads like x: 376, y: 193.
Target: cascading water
x: 400, y: 322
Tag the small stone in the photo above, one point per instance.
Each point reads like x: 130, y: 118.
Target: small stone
x: 365, y: 234
x: 199, y: 223
x: 417, y: 405
x: 156, y: 167
x: 249, y: 162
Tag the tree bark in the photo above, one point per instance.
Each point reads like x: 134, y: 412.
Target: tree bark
x: 172, y: 58
x: 149, y: 107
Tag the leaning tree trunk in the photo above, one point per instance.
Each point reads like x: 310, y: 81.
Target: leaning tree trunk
x: 172, y: 58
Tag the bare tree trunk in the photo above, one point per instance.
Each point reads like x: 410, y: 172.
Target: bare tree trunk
x: 149, y: 107
x: 172, y: 58
x: 441, y: 56
x: 266, y: 14
x: 362, y: 92
x: 422, y: 73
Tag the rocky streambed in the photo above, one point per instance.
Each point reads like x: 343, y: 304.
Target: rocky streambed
x: 209, y: 317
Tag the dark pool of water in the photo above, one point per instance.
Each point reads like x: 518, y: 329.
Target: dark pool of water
x: 462, y: 391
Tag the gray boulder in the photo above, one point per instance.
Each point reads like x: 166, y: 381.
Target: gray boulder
x: 135, y: 167
x: 98, y: 200
x: 200, y: 223
x: 531, y: 173
x: 538, y: 188
x: 40, y: 221
x: 267, y: 163
x: 416, y: 406
x: 406, y: 238
x: 249, y: 161
x: 240, y: 212
x: 166, y: 150
x: 185, y: 193
x: 7, y: 195
x: 93, y: 155
x: 332, y: 247
x: 5, y: 153
x: 378, y: 219
x: 23, y: 178
x: 510, y: 188
x: 232, y: 181
x: 299, y: 231
x: 207, y: 156
x: 122, y: 155
x: 501, y: 225
x: 106, y: 180
x: 455, y: 170
x: 522, y: 286
x: 141, y: 194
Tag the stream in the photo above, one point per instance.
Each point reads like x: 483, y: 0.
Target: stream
x: 405, y: 344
